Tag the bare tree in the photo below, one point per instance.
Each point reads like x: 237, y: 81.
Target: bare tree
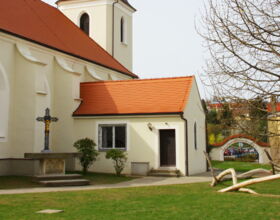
x: 243, y: 38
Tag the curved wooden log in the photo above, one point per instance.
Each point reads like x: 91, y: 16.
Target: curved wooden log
x: 224, y: 173
x: 247, y: 191
x: 255, y: 173
x: 250, y: 182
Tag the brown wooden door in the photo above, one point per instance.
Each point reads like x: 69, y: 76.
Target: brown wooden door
x: 167, y: 148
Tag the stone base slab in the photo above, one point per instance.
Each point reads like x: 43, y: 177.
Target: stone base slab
x: 52, y: 166
x: 26, y: 167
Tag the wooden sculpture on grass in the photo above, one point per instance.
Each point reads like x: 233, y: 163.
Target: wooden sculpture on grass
x: 266, y: 175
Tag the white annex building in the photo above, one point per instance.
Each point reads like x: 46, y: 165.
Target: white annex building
x: 76, y: 60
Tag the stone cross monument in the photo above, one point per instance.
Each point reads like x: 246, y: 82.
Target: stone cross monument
x: 47, y: 119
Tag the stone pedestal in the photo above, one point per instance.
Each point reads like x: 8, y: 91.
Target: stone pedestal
x: 51, y: 163
x: 52, y: 166
x: 274, y: 140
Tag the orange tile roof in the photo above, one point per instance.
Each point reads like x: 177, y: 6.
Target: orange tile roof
x: 147, y: 96
x: 269, y: 108
x: 41, y: 23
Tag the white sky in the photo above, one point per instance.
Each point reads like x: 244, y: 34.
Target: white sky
x: 166, y: 43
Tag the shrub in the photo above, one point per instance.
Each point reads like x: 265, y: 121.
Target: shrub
x: 88, y: 152
x: 119, y: 159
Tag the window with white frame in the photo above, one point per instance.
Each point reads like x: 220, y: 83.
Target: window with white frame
x: 112, y: 136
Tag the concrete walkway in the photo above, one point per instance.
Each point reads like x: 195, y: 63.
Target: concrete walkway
x: 140, y: 182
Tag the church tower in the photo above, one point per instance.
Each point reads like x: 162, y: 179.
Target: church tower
x: 108, y: 22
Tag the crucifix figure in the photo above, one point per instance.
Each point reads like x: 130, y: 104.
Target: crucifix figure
x: 47, y: 119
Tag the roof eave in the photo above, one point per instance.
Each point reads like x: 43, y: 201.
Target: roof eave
x: 65, y: 52
x: 124, y: 1
x: 127, y: 114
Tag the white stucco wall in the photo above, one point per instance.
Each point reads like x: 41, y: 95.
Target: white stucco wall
x: 39, y: 77
x: 142, y: 143
x: 194, y: 113
x: 100, y: 13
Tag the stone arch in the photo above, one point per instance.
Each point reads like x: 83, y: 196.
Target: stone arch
x: 4, y: 103
x: 243, y: 140
x: 217, y: 153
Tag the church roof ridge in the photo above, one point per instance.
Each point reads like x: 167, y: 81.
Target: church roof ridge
x: 137, y: 80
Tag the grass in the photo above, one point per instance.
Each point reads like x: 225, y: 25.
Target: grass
x: 18, y: 182
x: 104, y: 178
x: 239, y: 166
x: 189, y: 201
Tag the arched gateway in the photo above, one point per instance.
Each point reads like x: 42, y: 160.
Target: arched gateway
x: 217, y: 153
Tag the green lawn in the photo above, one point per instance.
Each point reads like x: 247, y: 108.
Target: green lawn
x: 102, y: 178
x: 238, y: 166
x: 190, y: 201
x: 15, y: 182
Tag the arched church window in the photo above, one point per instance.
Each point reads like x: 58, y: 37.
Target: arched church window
x: 123, y: 37
x: 195, y: 136
x: 84, y: 23
x: 4, y: 104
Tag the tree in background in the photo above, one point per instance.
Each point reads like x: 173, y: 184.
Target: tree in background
x: 243, y: 41
x: 259, y: 116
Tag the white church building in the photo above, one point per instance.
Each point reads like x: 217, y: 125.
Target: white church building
x: 76, y: 60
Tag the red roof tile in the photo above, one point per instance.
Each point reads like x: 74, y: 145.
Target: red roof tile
x: 39, y: 22
x: 148, y: 96
x: 269, y: 108
x: 262, y: 144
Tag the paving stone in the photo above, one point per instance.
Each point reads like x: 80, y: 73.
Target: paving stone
x: 49, y: 211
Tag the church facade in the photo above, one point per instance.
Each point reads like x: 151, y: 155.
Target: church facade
x: 76, y: 60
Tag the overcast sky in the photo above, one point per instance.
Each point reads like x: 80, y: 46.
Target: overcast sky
x: 165, y: 40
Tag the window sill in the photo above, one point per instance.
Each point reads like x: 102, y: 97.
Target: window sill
x: 41, y: 93
x: 2, y: 139
x: 124, y: 43
x: 105, y: 150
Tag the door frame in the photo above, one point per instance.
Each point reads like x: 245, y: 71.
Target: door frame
x: 172, y: 147
x: 177, y: 144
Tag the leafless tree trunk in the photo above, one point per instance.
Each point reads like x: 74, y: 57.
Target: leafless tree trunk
x: 243, y: 38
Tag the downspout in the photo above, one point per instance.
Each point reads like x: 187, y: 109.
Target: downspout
x: 206, y: 131
x: 186, y: 144
x: 206, y: 142
x: 113, y: 27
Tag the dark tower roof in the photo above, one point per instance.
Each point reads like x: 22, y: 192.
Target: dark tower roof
x: 127, y: 3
